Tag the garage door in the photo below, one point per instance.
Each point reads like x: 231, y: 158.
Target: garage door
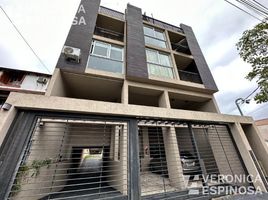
x: 73, y: 159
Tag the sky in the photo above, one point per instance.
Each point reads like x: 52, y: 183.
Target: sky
x: 217, y: 26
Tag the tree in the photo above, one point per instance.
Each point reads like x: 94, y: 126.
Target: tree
x: 253, y: 49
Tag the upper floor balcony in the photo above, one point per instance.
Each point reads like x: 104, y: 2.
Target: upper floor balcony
x: 162, y: 24
x: 190, y: 76
x: 109, y: 28
x: 112, y: 13
x: 179, y: 43
x: 109, y: 34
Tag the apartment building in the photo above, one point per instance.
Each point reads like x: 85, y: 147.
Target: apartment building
x: 129, y: 113
x: 12, y: 80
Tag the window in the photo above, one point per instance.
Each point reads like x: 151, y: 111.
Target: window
x: 154, y: 37
x: 159, y: 64
x: 106, y: 57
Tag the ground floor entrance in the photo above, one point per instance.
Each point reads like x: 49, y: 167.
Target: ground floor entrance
x: 67, y: 156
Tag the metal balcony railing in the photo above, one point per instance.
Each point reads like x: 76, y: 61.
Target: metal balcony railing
x: 112, y: 13
x: 190, y: 76
x: 162, y: 24
x: 180, y: 48
x: 109, y: 34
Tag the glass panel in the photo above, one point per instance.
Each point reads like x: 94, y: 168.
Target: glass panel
x: 157, y: 70
x: 160, y: 35
x: 148, y: 31
x: 101, y: 49
x: 155, y: 42
x: 153, y: 70
x: 164, y: 60
x: 116, y: 53
x: 152, y: 56
x: 105, y: 64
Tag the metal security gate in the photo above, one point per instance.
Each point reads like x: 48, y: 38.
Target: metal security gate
x: 73, y: 159
x: 62, y: 156
x: 177, y: 156
x: 213, y: 151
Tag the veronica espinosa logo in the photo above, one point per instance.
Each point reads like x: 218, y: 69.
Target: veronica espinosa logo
x: 223, y: 184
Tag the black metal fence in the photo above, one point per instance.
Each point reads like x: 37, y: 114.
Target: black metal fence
x: 109, y: 34
x: 162, y: 24
x: 64, y: 156
x: 189, y: 76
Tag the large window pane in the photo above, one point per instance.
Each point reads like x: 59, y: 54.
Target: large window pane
x: 157, y: 70
x: 148, y: 31
x: 160, y: 35
x: 164, y: 59
x: 116, y: 53
x: 101, y: 49
x: 105, y: 64
x: 106, y: 57
x: 155, y: 42
x: 152, y: 56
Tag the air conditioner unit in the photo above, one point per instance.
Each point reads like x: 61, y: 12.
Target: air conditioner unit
x: 42, y: 80
x: 72, y: 54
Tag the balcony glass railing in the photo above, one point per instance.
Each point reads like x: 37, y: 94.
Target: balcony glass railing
x: 160, y: 71
x: 109, y: 34
x: 189, y: 76
x: 105, y: 64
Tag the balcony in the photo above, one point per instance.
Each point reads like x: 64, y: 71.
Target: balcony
x: 109, y: 28
x: 109, y: 34
x: 181, y: 47
x: 112, y: 13
x: 163, y: 25
x: 187, y: 69
x: 190, y: 76
x: 179, y: 43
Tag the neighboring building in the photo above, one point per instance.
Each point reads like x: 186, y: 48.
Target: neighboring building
x: 263, y: 127
x: 12, y: 80
x: 129, y: 112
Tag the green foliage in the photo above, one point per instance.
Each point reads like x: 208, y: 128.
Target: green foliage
x: 24, y: 171
x: 37, y: 164
x: 253, y: 49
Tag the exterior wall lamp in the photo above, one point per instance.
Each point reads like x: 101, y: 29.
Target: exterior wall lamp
x: 241, y: 100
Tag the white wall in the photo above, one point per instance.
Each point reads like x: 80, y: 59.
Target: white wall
x: 30, y: 83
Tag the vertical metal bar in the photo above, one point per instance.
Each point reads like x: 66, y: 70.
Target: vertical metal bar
x: 236, y: 148
x: 224, y: 150
x: 203, y: 169
x: 13, y: 145
x: 134, y: 189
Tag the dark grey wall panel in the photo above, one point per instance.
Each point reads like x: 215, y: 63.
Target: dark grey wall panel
x: 136, y: 58
x: 80, y: 34
x: 200, y: 61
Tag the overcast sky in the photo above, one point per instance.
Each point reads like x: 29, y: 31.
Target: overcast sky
x: 217, y: 25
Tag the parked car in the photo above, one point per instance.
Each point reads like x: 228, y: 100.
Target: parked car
x: 190, y: 164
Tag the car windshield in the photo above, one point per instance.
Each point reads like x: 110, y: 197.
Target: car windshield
x: 187, y: 154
